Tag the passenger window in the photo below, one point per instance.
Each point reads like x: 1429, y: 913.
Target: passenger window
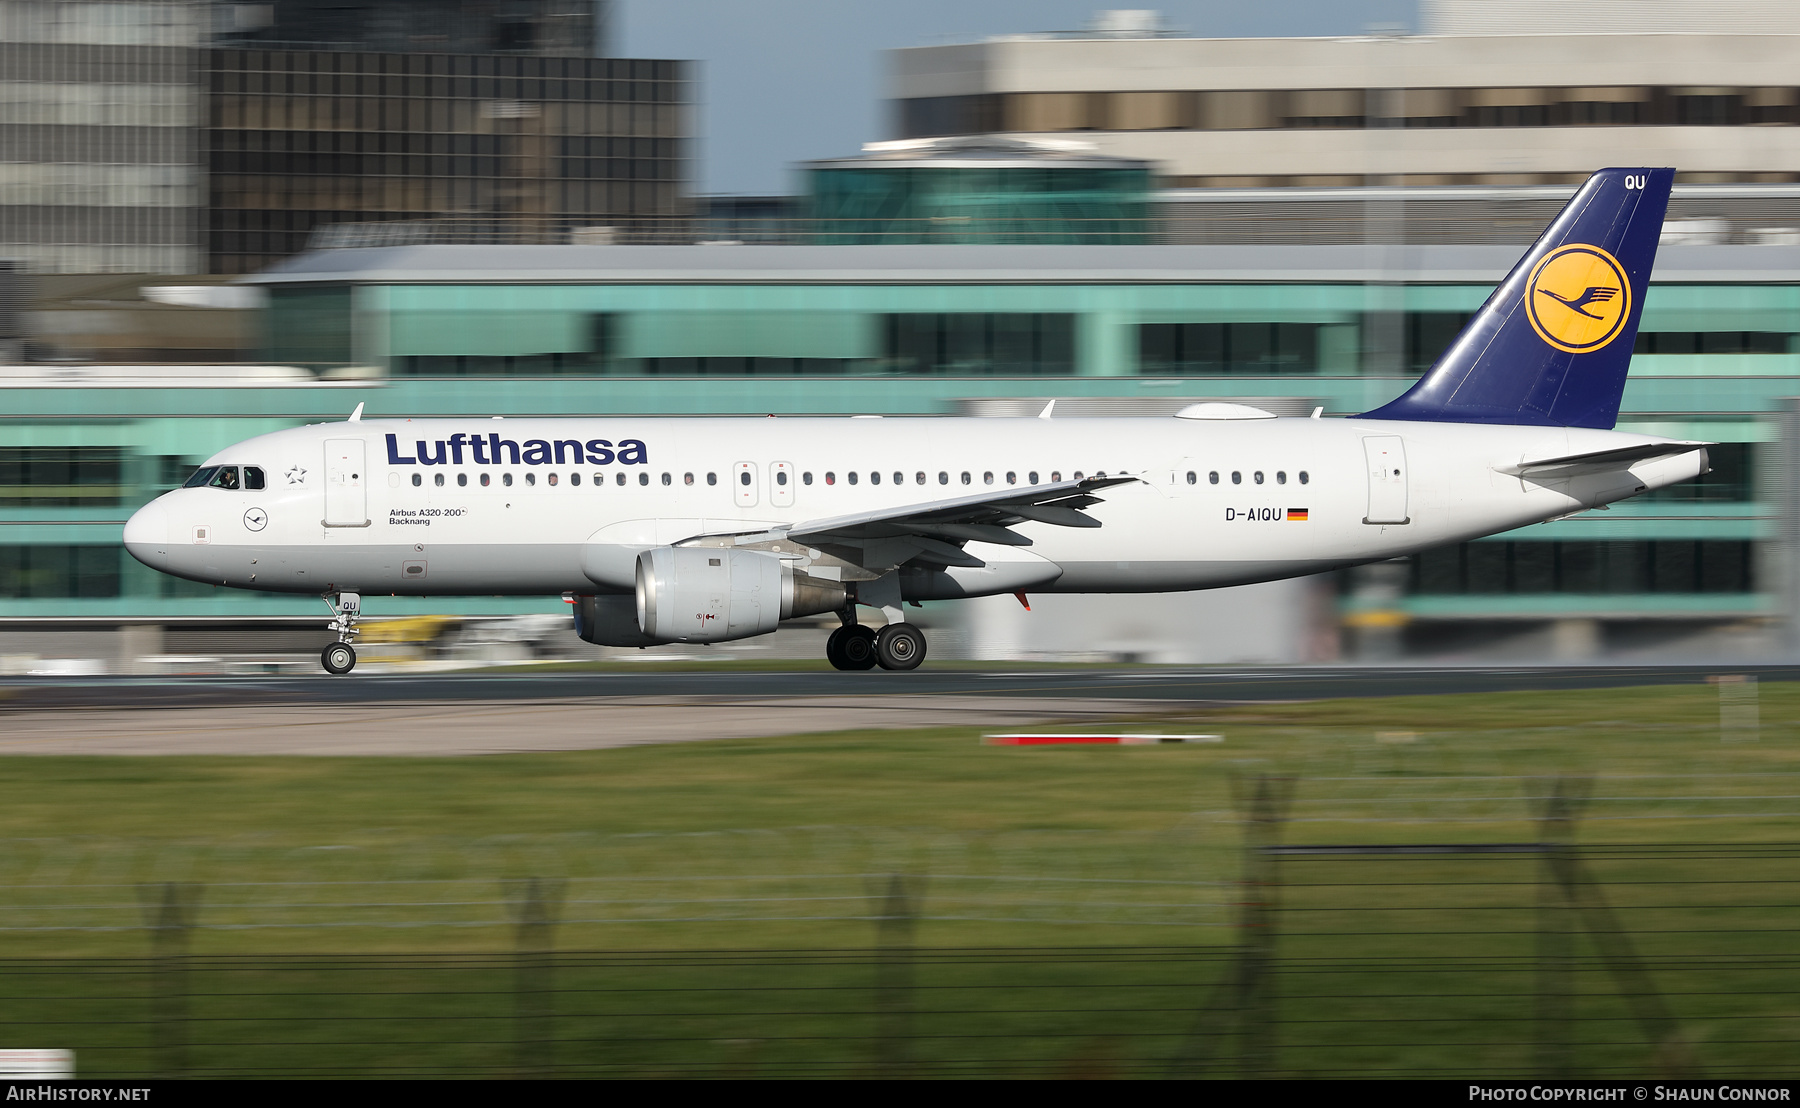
x: 830, y: 477
x: 1258, y: 476
x: 687, y: 478
x: 852, y: 476
x: 919, y: 477
x: 1303, y: 477
x: 462, y: 480
x: 1055, y: 476
x: 505, y: 479
x: 226, y: 478
x: 1281, y: 477
x: 599, y: 479
x: 744, y: 478
x: 943, y: 477
x: 806, y: 478
x: 712, y: 478
x: 899, y: 478
x: 875, y: 478
x: 1032, y: 477
x: 531, y: 478
x: 201, y: 478
x: 987, y: 478
x: 551, y: 478
x: 1076, y: 475
x: 1236, y: 477
x: 965, y: 476
x: 253, y: 477
x: 619, y: 479
x: 1193, y: 478
x: 1011, y: 477
x: 574, y: 478
x: 420, y: 480
x: 438, y: 480
x: 1213, y: 477
x: 668, y: 480
x: 643, y: 478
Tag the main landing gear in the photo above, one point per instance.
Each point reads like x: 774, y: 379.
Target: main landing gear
x: 340, y: 657
x: 898, y: 646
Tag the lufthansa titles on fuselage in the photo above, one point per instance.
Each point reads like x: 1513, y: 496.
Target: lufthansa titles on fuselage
x: 491, y: 449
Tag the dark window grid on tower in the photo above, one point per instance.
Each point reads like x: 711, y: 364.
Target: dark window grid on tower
x: 1326, y: 109
x: 300, y: 139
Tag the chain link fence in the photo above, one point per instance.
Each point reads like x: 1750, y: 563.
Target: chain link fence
x: 1419, y: 937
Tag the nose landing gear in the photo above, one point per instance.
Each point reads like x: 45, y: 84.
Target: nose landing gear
x: 339, y: 658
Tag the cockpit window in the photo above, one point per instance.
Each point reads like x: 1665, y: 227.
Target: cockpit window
x: 226, y: 478
x: 201, y: 478
x: 253, y: 477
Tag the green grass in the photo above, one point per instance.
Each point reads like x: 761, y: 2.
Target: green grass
x: 337, y: 889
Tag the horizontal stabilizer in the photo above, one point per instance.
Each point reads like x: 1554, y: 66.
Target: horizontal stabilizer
x: 1601, y: 461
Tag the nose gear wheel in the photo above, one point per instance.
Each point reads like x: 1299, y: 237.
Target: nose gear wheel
x: 338, y: 658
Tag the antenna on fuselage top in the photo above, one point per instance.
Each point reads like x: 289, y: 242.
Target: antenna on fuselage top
x: 356, y: 416
x: 1045, y: 414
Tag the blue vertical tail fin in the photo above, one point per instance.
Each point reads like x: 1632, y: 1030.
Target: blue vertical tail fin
x: 1552, y: 345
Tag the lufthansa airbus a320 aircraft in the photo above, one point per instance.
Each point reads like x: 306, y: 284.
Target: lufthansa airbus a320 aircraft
x: 704, y: 530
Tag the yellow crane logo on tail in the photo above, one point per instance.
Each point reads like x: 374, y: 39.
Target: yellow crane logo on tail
x: 1578, y: 298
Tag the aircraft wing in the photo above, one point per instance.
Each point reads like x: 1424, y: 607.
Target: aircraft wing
x: 935, y: 530
x: 1601, y: 461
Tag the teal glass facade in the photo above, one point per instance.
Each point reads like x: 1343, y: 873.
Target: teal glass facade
x: 873, y: 203
x: 1715, y: 361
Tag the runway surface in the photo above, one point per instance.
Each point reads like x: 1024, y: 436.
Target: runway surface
x: 446, y: 714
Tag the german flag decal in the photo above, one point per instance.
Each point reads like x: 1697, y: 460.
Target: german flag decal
x: 1296, y: 515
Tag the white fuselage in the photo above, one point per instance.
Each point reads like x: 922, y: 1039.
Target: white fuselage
x: 390, y: 522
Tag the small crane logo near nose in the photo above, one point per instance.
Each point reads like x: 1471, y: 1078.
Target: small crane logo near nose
x: 256, y: 519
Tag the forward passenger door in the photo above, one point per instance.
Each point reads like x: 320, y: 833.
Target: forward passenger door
x: 346, y: 483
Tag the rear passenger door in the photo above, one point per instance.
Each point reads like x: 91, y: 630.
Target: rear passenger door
x: 1386, y: 458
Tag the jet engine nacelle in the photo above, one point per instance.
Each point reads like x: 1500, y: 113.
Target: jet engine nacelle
x: 609, y: 621
x: 712, y: 594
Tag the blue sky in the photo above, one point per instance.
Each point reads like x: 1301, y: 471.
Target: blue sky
x: 782, y: 81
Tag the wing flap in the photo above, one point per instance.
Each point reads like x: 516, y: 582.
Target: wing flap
x: 869, y: 545
x: 1053, y: 503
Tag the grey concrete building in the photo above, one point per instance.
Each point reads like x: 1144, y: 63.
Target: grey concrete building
x: 1490, y: 95
x: 100, y: 113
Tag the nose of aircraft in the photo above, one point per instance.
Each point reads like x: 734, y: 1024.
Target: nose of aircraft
x: 147, y: 534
